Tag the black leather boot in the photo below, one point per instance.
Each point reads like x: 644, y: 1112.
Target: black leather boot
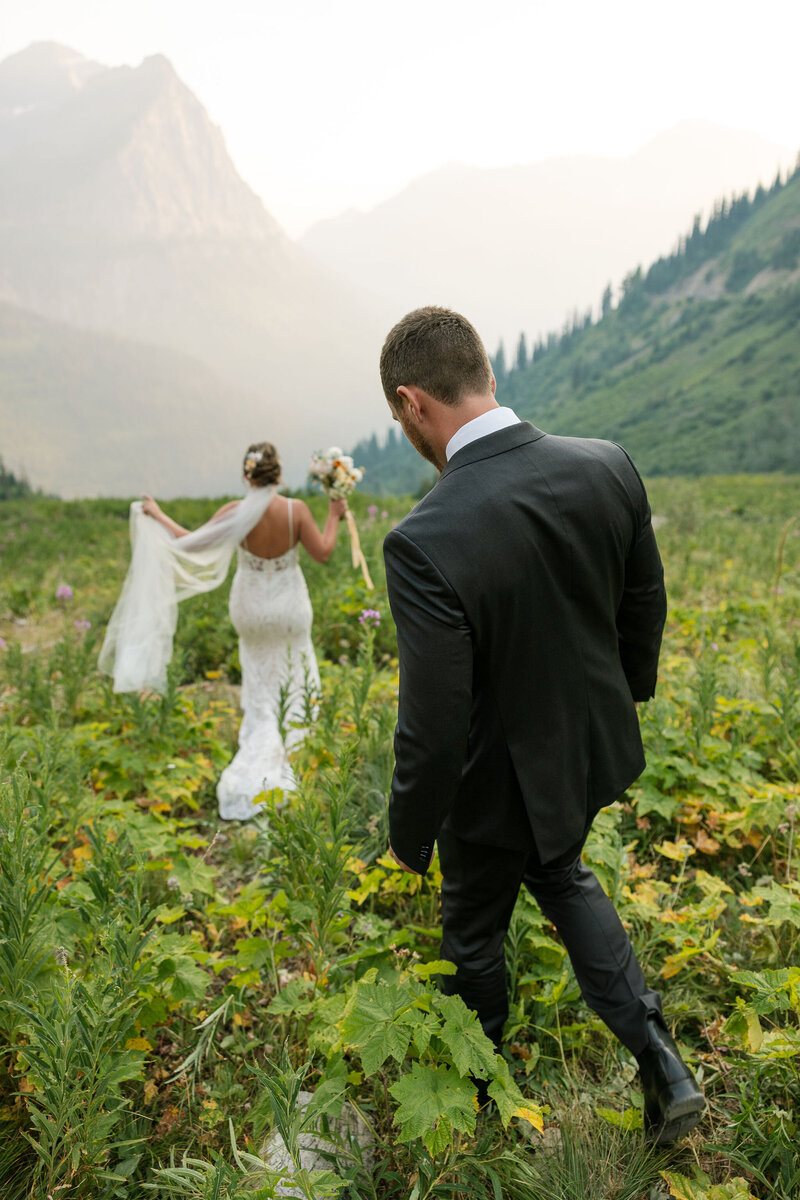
x: 673, y: 1103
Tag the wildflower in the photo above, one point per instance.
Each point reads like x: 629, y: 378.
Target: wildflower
x: 384, y: 515
x: 64, y: 592
x: 369, y: 616
x: 372, y: 511
x: 743, y: 869
x: 82, y: 624
x: 61, y: 956
x: 2, y: 643
x: 714, y: 646
x: 173, y: 883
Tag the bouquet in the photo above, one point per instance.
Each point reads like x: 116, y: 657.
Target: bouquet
x: 336, y: 475
x: 334, y: 472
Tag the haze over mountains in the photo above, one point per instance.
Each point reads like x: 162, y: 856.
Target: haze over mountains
x: 520, y: 248
x: 154, y: 317
x: 121, y: 213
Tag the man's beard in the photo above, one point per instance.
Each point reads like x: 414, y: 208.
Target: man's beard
x: 422, y: 446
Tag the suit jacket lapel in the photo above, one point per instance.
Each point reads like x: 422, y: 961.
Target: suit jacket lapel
x: 492, y: 444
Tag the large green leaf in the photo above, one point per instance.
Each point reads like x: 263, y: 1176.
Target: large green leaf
x: 432, y: 1103
x: 470, y: 1049
x: 379, y: 1022
x: 784, y: 905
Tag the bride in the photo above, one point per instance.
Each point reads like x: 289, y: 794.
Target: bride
x: 269, y: 607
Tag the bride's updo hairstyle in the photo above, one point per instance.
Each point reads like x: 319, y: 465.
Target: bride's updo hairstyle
x: 262, y: 466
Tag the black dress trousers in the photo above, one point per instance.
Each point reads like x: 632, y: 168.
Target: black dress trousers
x: 479, y: 889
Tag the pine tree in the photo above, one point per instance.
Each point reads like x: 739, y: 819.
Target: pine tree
x: 605, y: 303
x: 499, y: 362
x: 11, y: 485
x: 522, y: 353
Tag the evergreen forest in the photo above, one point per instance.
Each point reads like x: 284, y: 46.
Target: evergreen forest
x: 695, y: 369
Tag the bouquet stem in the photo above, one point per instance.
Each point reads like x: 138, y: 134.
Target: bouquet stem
x: 355, y: 549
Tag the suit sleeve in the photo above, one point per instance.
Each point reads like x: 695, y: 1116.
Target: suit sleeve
x: 643, y: 608
x: 434, y: 644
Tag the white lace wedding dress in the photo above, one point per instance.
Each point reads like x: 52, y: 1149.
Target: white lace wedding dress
x: 271, y: 612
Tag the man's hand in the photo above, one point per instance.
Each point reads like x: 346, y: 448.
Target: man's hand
x: 400, y: 863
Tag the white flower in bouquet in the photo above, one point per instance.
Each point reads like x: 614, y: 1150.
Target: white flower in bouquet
x: 334, y: 472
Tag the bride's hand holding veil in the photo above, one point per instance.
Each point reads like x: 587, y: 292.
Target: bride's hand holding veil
x: 169, y: 563
x: 151, y: 508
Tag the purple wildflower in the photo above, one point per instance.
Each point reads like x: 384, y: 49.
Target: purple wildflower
x: 714, y: 646
x: 369, y: 616
x: 64, y: 592
x: 384, y: 515
x: 82, y: 624
x: 372, y: 511
x: 2, y: 643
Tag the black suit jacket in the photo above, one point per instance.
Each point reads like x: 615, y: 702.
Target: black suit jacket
x: 528, y: 595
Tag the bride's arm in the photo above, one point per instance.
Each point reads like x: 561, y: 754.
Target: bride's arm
x: 319, y: 545
x: 151, y: 508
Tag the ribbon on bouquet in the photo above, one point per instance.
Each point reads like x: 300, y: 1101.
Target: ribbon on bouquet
x: 355, y: 549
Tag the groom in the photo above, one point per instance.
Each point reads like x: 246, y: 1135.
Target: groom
x: 528, y: 595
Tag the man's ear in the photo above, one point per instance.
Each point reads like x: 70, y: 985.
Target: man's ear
x: 413, y: 400
x: 494, y: 384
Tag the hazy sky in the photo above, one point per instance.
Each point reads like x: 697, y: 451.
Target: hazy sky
x: 332, y: 104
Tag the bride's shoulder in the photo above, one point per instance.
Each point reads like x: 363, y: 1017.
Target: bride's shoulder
x: 299, y: 507
x: 226, y: 508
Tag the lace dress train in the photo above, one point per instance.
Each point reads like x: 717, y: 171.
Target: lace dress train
x: 271, y: 612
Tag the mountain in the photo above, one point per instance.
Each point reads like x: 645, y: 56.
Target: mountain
x: 91, y: 414
x: 522, y: 247
x: 697, y: 369
x: 121, y: 213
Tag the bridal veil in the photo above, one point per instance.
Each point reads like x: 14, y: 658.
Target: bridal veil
x: 163, y: 571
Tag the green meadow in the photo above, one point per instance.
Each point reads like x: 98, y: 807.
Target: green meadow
x: 170, y: 984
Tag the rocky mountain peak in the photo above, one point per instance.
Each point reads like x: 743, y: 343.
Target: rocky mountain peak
x: 42, y: 76
x: 123, y: 151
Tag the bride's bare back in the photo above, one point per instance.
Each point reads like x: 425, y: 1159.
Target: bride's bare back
x: 272, y: 536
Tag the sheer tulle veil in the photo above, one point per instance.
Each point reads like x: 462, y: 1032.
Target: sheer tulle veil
x: 164, y: 570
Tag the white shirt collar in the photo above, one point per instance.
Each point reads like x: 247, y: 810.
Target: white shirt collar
x: 478, y: 427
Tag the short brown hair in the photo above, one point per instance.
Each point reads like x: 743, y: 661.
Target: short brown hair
x: 262, y: 466
x: 437, y: 350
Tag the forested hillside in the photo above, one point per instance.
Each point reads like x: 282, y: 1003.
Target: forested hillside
x: 11, y: 488
x: 695, y: 370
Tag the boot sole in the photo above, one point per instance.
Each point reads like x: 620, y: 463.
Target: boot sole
x: 684, y: 1109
